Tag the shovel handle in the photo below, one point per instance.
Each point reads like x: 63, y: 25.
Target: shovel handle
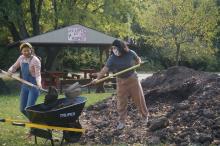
x: 86, y: 85
x: 44, y: 90
x: 119, y: 73
x: 22, y: 80
x: 114, y: 75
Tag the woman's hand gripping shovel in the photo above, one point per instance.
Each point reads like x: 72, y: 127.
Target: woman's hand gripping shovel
x: 74, y: 89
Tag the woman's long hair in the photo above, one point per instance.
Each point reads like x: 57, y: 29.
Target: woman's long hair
x: 121, y: 45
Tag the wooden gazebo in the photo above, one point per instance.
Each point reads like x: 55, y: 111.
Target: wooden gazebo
x: 73, y: 36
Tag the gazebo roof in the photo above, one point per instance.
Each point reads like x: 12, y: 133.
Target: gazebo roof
x: 74, y: 35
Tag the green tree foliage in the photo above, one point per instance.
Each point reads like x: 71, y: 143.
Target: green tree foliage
x: 109, y: 16
x: 184, y: 28
x: 169, y: 31
x: 77, y: 58
x: 28, y: 18
x: 216, y: 40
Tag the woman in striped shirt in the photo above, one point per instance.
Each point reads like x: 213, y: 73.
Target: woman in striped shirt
x: 30, y: 71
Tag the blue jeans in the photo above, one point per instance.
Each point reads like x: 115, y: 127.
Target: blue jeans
x: 28, y: 97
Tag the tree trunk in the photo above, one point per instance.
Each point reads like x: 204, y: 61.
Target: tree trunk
x: 23, y: 31
x: 107, y: 52
x: 79, y: 55
x: 16, y: 27
x: 21, y: 24
x: 14, y: 32
x: 12, y: 28
x: 101, y: 50
x: 35, y: 16
x: 51, y: 56
x: 177, y: 53
x: 54, y: 2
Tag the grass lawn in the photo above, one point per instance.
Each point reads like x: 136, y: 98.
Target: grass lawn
x: 9, y: 108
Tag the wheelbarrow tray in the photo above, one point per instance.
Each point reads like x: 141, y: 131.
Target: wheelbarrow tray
x: 66, y: 111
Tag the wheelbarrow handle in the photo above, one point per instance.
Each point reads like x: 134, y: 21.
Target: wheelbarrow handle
x: 18, y: 124
x: 40, y: 126
x: 2, y: 120
x: 13, y: 122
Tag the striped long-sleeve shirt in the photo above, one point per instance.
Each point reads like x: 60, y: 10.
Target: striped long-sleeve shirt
x: 34, y: 66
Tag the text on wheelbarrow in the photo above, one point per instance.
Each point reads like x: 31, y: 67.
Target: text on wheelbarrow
x: 65, y: 115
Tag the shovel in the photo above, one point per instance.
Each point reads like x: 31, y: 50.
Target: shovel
x: 118, y: 73
x: 74, y: 89
x: 69, y: 91
x: 22, y: 80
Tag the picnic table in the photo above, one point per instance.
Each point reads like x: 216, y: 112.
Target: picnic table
x: 87, y: 71
x: 51, y: 78
x: 60, y: 80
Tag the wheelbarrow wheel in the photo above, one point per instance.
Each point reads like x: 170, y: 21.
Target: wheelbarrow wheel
x: 71, y: 136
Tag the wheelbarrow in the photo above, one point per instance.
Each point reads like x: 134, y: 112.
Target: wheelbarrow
x: 64, y: 116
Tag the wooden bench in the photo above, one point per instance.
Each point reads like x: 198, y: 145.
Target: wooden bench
x: 88, y: 71
x: 72, y: 76
x: 66, y: 83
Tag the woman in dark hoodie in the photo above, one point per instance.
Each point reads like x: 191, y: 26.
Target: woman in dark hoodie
x: 128, y: 84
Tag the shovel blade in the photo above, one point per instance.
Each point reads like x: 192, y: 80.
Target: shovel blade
x: 73, y: 90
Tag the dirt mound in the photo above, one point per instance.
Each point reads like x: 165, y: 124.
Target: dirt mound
x: 184, y: 107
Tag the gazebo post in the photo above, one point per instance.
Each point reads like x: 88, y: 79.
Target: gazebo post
x: 107, y: 51
x: 100, y: 56
x: 103, y: 49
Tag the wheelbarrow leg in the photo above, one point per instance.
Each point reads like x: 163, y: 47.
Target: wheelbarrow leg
x: 35, y: 139
x: 46, y: 134
x: 61, y: 144
x: 52, y: 143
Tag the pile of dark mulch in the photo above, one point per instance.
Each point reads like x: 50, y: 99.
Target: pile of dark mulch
x: 100, y: 121
x: 184, y: 107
